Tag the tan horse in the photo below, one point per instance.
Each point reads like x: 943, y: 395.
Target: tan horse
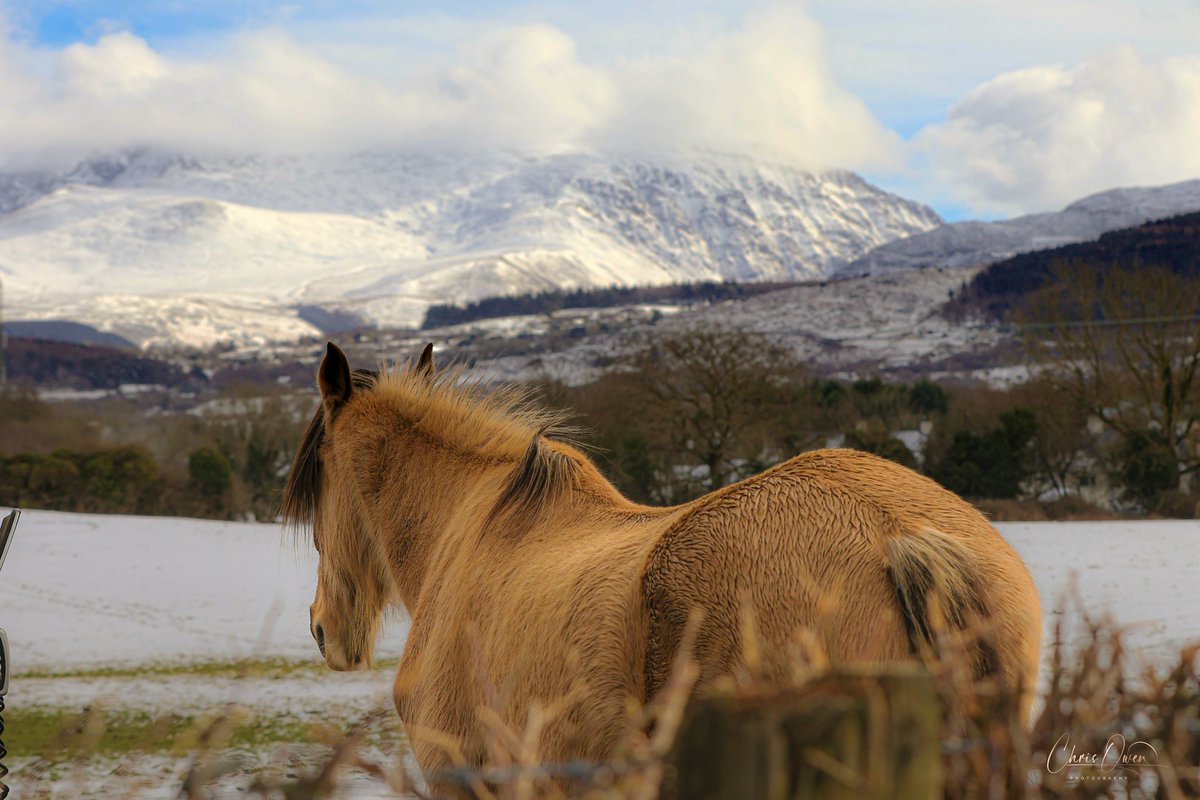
x: 529, y: 578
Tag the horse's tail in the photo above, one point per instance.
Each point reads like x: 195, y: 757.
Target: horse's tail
x: 939, y: 591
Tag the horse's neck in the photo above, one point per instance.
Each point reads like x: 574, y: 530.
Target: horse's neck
x: 456, y: 508
x: 424, y: 508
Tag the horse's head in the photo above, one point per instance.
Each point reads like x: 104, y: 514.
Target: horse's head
x: 354, y: 583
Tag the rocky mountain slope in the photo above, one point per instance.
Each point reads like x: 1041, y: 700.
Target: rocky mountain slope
x: 1172, y: 243
x: 166, y: 250
x: 977, y: 243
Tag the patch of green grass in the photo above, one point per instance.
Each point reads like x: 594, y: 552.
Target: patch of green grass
x: 53, y: 734
x: 251, y: 667
x: 47, y: 731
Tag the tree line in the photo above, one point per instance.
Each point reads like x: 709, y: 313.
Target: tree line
x: 1001, y: 289
x: 691, y: 413
x: 1106, y: 419
x: 713, y: 407
x: 441, y: 314
x: 229, y: 462
x: 1108, y: 415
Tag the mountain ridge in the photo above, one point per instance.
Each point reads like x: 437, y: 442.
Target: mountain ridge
x: 972, y: 243
x: 182, y: 243
x: 1171, y: 243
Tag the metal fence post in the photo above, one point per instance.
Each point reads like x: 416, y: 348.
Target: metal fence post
x: 7, y: 527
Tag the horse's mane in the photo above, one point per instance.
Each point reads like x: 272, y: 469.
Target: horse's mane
x: 303, y: 486
x: 483, y: 422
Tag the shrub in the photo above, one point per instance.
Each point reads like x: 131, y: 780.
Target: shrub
x: 116, y: 480
x: 926, y: 397
x: 993, y: 464
x: 1147, y: 467
x: 210, y: 472
x: 881, y: 443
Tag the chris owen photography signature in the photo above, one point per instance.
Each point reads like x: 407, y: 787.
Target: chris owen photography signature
x: 1118, y: 757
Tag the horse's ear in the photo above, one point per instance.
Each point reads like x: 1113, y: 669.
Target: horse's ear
x: 333, y: 378
x: 425, y: 362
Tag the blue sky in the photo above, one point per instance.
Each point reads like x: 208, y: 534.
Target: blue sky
x: 981, y: 108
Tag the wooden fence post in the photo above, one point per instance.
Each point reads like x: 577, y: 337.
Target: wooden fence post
x: 867, y: 732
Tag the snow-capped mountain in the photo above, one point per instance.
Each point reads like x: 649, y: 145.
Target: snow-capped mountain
x: 163, y: 249
x: 975, y: 243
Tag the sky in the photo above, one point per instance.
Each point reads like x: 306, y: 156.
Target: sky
x: 981, y: 108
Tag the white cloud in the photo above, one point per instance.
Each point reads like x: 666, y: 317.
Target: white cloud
x: 764, y: 88
x: 681, y: 75
x: 521, y: 87
x: 940, y: 49
x: 1041, y: 137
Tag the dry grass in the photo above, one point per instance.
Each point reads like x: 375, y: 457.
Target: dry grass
x: 1096, y: 701
x: 1093, y: 696
x: 1064, y: 509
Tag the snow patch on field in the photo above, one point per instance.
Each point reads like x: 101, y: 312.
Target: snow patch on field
x: 307, y: 694
x: 82, y: 591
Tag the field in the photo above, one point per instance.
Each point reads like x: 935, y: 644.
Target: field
x: 156, y: 626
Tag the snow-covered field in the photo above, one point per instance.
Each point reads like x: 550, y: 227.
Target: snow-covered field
x: 84, y: 592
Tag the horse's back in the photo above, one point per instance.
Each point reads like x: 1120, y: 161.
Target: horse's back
x: 537, y: 619
x: 805, y: 552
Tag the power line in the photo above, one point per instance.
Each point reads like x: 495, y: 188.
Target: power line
x: 1100, y: 323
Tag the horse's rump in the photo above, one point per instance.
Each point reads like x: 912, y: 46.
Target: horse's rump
x: 799, y: 556
x: 775, y: 560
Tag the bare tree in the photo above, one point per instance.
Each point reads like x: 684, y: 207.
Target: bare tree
x: 1124, y: 344
x: 1063, y: 448
x: 715, y: 393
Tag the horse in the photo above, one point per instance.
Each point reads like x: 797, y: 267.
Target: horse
x: 529, y: 579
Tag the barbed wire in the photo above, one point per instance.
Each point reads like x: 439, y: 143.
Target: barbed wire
x: 999, y: 327
x: 595, y: 772
x: 571, y: 770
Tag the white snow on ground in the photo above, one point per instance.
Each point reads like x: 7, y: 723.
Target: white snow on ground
x: 1145, y: 573
x: 311, y: 695
x: 82, y: 591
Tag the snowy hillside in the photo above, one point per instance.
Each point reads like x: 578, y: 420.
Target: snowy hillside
x: 173, y: 250
x: 848, y: 326
x: 976, y: 243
